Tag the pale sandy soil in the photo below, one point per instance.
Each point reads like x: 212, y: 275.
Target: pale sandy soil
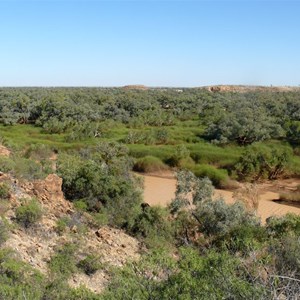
x: 160, y: 190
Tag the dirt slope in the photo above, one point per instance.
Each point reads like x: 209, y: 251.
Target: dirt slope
x: 36, y: 245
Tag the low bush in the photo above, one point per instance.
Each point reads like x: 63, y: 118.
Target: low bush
x: 7, y: 165
x: 153, y: 227
x: 90, y: 264
x: 180, y: 153
x: 62, y: 224
x: 149, y: 164
x: 243, y: 238
x: 261, y: 162
x: 63, y: 263
x: 18, y: 280
x: 218, y: 218
x: 285, y: 225
x: 3, y: 232
x: 4, y: 191
x: 217, y: 176
x: 28, y: 213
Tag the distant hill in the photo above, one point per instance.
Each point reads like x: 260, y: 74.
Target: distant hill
x: 135, y: 87
x: 249, y: 88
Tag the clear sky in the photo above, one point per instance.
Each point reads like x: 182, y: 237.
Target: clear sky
x: 156, y: 43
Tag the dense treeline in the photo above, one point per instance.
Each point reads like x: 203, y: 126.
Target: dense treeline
x: 228, y: 117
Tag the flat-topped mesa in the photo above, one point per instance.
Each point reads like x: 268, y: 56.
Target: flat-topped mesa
x: 250, y: 88
x: 135, y: 87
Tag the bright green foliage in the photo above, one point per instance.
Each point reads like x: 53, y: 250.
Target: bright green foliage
x: 59, y: 289
x: 242, y: 238
x: 149, y: 164
x: 180, y: 153
x: 18, y: 280
x: 24, y: 168
x: 29, y: 213
x: 217, y: 176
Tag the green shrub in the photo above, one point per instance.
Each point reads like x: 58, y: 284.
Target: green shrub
x: 243, y: 238
x: 4, y: 191
x: 286, y: 253
x: 153, y: 226
x: 218, y: 218
x: 3, y: 232
x: 80, y: 205
x: 29, y: 169
x: 18, y: 280
x: 38, y: 152
x: 217, y: 176
x: 149, y: 164
x: 62, y: 224
x: 261, y: 162
x: 29, y: 213
x: 180, y: 152
x: 90, y: 264
x: 100, y: 218
x: 7, y: 165
x: 63, y: 263
x: 285, y: 225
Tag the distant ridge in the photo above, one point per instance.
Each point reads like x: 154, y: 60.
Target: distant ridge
x: 249, y: 88
x: 135, y: 87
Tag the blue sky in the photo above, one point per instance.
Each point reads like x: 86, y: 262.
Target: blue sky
x: 156, y: 43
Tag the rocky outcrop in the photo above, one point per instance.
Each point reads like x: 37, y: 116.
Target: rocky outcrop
x: 49, y: 192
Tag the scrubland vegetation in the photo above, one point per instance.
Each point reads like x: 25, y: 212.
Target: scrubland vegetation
x: 193, y: 249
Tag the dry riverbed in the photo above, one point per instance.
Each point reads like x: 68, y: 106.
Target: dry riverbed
x: 160, y: 190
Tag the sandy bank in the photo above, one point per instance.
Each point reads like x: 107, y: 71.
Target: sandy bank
x: 160, y: 190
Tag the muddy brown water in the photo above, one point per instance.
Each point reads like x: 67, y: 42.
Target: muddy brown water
x: 160, y: 190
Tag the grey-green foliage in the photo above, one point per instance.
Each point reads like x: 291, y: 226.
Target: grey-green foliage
x: 24, y: 168
x: 190, y: 190
x: 243, y: 123
x: 213, y: 216
x: 293, y: 132
x: 218, y: 218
